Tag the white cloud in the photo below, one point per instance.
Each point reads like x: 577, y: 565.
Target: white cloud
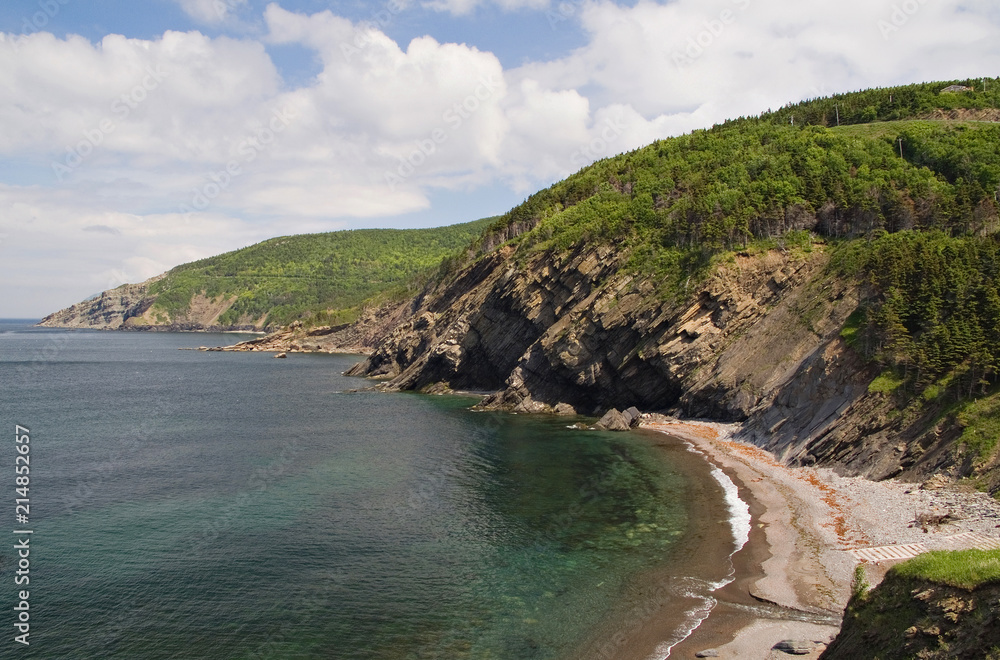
x: 148, y: 128
x: 178, y: 97
x: 409, y: 115
x: 63, y: 248
x: 743, y: 56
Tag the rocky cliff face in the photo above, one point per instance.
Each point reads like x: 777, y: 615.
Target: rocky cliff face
x: 130, y: 307
x: 114, y: 309
x: 758, y: 342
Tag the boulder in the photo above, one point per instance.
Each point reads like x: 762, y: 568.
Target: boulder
x: 281, y: 355
x: 613, y: 420
x: 632, y: 415
x: 795, y: 646
x: 937, y: 482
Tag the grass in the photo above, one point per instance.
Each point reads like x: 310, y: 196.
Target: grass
x: 852, y: 328
x: 860, y: 585
x: 980, y: 422
x: 964, y: 569
x: 933, y: 392
x: 886, y: 383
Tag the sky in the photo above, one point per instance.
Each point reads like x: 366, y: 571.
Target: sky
x: 138, y: 136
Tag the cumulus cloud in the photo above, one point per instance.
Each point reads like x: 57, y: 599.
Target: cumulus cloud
x: 408, y: 115
x: 185, y: 145
x: 165, y: 98
x: 62, y: 246
x: 709, y: 62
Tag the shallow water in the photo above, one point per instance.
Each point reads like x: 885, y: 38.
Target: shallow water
x: 229, y: 505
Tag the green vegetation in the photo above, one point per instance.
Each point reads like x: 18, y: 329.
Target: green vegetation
x: 965, y: 569
x: 851, y: 332
x: 327, y: 276
x: 886, y: 383
x: 679, y: 202
x: 860, y: 585
x: 934, y: 313
x: 939, y: 605
x: 980, y: 423
x: 921, y: 100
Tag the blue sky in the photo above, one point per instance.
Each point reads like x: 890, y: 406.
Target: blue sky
x: 136, y: 139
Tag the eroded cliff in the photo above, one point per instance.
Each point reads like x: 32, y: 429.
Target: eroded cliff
x: 114, y: 309
x: 758, y: 341
x: 131, y: 307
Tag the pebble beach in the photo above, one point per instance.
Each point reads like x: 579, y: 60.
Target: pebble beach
x: 810, y: 528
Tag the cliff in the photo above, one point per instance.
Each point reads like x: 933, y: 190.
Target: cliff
x: 758, y: 342
x: 835, y: 294
x: 914, y: 616
x: 118, y: 308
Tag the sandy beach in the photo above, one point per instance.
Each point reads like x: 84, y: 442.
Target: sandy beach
x: 810, y: 528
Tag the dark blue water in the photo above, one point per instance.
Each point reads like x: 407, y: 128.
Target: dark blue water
x: 229, y: 505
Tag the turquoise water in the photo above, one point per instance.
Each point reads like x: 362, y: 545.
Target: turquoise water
x: 230, y: 505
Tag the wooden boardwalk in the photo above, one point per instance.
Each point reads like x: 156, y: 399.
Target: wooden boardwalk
x: 884, y: 552
x: 964, y: 541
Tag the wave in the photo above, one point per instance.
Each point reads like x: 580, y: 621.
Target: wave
x: 740, y: 523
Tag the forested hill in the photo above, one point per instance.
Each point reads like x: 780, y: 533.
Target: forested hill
x: 900, y: 164
x: 319, y: 278
x: 923, y: 193
x: 974, y: 97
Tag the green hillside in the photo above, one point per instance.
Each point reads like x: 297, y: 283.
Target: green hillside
x: 326, y: 276
x: 920, y: 229
x: 921, y: 100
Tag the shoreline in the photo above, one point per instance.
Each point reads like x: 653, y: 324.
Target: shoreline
x: 792, y: 578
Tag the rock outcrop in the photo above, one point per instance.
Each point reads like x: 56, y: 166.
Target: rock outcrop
x: 614, y: 420
x: 130, y: 307
x: 119, y: 308
x: 758, y: 342
x: 907, y: 618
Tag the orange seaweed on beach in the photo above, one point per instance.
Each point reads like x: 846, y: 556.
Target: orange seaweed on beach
x: 829, y: 497
x: 700, y: 430
x: 828, y: 494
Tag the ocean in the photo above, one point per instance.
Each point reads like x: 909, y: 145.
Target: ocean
x: 186, y: 504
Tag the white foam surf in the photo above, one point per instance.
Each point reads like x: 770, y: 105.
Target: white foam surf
x: 740, y: 524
